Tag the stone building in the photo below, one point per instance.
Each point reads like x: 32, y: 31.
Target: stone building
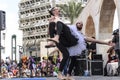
x: 98, y: 18
x: 33, y: 21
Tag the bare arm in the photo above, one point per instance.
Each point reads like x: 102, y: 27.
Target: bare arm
x: 89, y: 39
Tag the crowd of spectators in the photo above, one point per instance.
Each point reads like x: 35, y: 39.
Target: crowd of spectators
x: 28, y: 67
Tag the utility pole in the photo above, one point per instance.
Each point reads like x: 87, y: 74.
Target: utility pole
x: 20, y: 52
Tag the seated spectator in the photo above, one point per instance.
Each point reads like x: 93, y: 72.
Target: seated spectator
x: 26, y: 71
x: 112, y: 63
x: 4, y: 72
x: 14, y: 71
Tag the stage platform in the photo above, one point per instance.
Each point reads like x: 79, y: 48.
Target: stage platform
x: 75, y: 77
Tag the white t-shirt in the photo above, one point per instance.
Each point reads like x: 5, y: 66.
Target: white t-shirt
x: 77, y: 49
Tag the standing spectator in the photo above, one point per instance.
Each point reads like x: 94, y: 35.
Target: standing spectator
x: 31, y: 65
x: 115, y: 42
x: 38, y: 69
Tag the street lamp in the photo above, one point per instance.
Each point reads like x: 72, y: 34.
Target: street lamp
x: 21, y: 50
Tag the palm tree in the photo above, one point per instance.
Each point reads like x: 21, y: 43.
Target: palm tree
x: 72, y: 10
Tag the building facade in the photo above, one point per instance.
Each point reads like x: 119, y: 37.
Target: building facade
x: 33, y: 21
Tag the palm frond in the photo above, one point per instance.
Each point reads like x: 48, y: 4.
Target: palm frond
x: 72, y: 9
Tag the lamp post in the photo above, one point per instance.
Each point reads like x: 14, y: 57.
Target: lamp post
x: 21, y: 50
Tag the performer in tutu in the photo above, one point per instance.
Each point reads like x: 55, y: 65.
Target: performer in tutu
x: 81, y: 46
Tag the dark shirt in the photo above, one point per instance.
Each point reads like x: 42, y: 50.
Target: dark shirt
x: 116, y: 41
x: 111, y: 58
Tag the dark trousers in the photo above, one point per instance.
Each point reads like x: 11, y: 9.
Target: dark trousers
x: 65, y: 54
x: 78, y: 66
x: 65, y: 71
x: 72, y: 64
x: 117, y: 51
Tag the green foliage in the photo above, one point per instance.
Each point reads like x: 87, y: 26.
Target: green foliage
x: 72, y: 9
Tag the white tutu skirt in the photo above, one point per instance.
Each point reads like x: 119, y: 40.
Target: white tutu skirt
x: 77, y: 49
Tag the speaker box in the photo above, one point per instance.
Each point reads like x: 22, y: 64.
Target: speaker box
x: 97, y: 57
x: 80, y: 67
x: 96, y: 67
x: 2, y: 20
